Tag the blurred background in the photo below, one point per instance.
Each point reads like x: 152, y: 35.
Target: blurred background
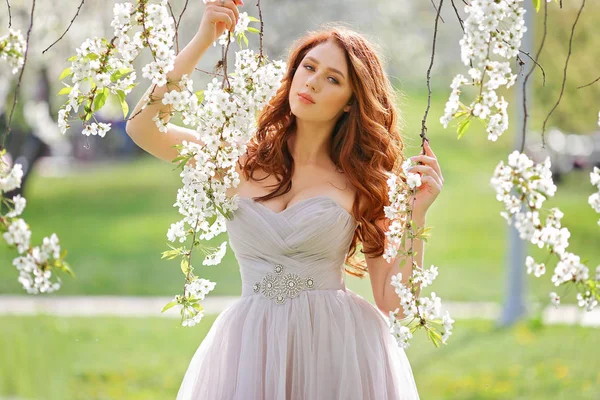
x: 110, y: 203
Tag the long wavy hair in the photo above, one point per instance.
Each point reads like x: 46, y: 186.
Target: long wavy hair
x: 365, y: 143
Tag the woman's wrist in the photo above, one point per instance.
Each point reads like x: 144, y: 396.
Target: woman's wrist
x: 419, y: 219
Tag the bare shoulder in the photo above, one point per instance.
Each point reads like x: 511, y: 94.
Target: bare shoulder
x: 242, y: 159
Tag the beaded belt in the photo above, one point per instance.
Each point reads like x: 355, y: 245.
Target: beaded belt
x: 279, y: 287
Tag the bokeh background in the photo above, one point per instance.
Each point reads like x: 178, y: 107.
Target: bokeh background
x: 110, y: 203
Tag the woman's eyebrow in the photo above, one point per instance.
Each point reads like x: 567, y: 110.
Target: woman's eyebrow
x: 331, y: 69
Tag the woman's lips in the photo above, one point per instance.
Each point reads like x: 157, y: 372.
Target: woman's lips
x: 304, y: 99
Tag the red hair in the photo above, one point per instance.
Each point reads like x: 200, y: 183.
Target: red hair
x: 365, y: 143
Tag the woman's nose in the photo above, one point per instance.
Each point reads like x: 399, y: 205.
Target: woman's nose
x: 310, y: 84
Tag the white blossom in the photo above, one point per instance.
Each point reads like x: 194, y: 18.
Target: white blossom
x: 19, y: 205
x: 12, y: 49
x: 555, y: 299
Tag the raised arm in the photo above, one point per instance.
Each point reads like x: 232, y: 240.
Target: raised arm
x: 217, y: 17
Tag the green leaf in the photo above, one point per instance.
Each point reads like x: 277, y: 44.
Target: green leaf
x: 169, y: 305
x: 463, y: 126
x: 121, y: 94
x: 170, y: 254
x: 66, y: 268
x: 459, y: 114
x: 253, y: 19
x: 245, y: 40
x: 119, y: 74
x: 100, y: 100
x: 65, y: 90
x: 72, y: 58
x: 66, y: 72
x: 253, y: 30
x: 536, y: 4
x: 185, y: 266
x: 200, y: 96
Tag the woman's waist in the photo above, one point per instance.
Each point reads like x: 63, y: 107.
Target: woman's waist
x: 281, y: 282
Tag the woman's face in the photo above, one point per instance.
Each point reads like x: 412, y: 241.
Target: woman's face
x: 323, y: 75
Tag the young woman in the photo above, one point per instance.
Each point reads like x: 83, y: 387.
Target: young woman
x: 313, y: 185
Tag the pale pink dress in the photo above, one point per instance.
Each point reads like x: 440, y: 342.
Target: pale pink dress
x: 296, y: 332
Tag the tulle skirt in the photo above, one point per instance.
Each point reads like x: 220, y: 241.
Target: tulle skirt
x: 324, y: 344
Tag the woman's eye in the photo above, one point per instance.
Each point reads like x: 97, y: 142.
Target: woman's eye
x: 333, y: 80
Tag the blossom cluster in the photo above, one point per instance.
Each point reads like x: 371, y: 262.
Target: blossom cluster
x: 12, y: 49
x: 103, y: 68
x: 397, y: 212
x: 594, y: 199
x: 491, y: 28
x: 422, y: 311
x: 523, y: 186
x: 33, y: 263
x: 224, y: 121
x: 425, y: 311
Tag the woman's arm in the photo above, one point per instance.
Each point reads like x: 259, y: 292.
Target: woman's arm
x: 380, y: 270
x: 141, y: 128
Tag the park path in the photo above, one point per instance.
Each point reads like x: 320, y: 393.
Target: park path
x: 129, y: 306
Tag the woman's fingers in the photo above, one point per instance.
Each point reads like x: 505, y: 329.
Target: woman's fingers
x: 230, y: 7
x: 426, y: 170
x: 225, y: 17
x: 430, y: 161
x: 432, y: 183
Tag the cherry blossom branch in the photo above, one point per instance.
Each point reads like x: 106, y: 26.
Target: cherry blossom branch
x: 16, y: 94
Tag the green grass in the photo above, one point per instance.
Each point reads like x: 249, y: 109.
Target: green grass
x: 114, y: 220
x: 51, y: 358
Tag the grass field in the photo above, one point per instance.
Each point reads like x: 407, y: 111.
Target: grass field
x: 144, y: 359
x: 113, y: 221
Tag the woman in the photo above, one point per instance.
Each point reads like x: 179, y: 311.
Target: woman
x: 330, y: 136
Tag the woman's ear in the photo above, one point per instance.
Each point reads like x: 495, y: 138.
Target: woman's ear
x: 347, y: 108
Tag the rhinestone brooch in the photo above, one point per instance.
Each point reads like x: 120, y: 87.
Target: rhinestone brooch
x: 279, y: 286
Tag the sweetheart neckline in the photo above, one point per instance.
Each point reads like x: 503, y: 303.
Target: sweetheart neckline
x: 320, y: 197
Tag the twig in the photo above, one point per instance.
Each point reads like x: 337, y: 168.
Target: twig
x: 424, y: 121
x: 436, y: 10
x: 460, y: 21
x: 9, y: 14
x: 260, y: 56
x: 206, y: 72
x: 65, y: 32
x: 176, y: 31
x: 537, y: 56
x: 179, y: 19
x: 589, y: 84
x: 562, y: 90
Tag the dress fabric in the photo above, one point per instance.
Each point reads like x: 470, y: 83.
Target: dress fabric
x: 297, y: 332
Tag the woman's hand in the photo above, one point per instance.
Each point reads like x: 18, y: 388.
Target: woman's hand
x: 431, y: 178
x: 218, y: 16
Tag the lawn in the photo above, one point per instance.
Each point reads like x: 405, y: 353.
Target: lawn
x: 52, y: 358
x: 113, y: 222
